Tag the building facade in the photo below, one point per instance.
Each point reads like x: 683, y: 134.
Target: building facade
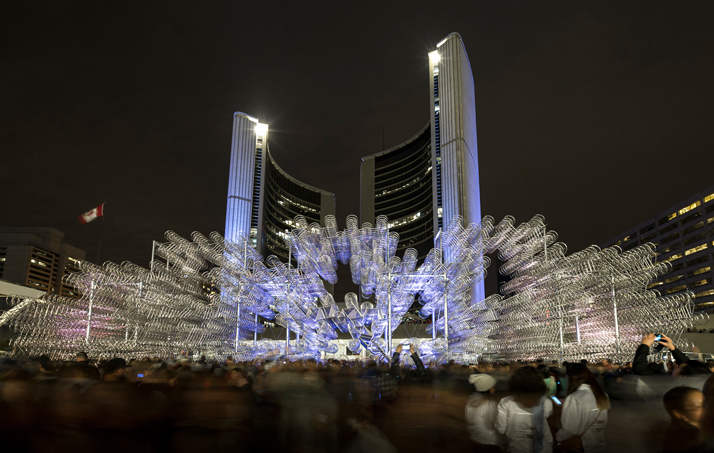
x: 684, y: 236
x: 423, y: 183
x: 263, y: 199
x: 38, y: 258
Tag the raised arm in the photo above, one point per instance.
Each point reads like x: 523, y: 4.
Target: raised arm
x: 417, y: 361
x: 639, y: 363
x: 678, y: 355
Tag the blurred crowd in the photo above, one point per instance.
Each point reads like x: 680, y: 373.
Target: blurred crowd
x: 156, y: 405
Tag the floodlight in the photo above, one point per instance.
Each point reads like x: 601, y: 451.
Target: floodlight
x: 261, y: 129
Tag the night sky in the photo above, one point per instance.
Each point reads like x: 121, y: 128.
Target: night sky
x: 597, y: 115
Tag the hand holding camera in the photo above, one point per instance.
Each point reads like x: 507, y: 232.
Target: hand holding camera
x: 666, y: 342
x: 649, y: 339
x: 663, y: 341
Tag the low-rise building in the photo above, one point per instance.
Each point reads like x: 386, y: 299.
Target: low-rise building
x: 38, y: 257
x: 684, y: 236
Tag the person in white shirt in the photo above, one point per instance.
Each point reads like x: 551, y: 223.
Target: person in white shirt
x: 584, y: 411
x: 481, y: 410
x: 522, y: 417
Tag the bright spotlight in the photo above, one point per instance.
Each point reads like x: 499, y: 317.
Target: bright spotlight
x: 434, y: 56
x: 261, y: 129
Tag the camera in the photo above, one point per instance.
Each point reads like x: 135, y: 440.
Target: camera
x: 660, y: 346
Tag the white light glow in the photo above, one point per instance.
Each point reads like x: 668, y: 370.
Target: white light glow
x: 434, y: 56
x: 261, y: 129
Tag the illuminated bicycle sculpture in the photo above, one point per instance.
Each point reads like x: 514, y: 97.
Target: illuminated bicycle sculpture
x: 212, y: 295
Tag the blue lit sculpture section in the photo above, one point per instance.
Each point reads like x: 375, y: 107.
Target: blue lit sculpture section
x: 212, y: 296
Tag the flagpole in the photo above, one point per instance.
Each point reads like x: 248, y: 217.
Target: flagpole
x: 101, y: 234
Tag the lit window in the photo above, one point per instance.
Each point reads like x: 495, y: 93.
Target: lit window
x: 654, y: 285
x: 700, y: 271
x: 627, y: 238
x: 670, y: 248
x: 673, y: 279
x: 706, y: 281
x: 708, y: 292
x: 440, y: 212
x: 709, y: 198
x: 696, y: 249
x: 673, y: 258
x: 690, y: 207
x: 676, y: 289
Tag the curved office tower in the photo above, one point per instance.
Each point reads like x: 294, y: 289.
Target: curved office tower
x: 398, y: 183
x: 285, y: 197
x: 262, y: 199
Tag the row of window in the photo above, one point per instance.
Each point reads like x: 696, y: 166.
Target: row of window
x: 426, y: 174
x: 417, y: 168
x: 669, y: 228
x: 676, y: 289
x: 677, y: 256
x: 406, y: 151
x: 672, y: 216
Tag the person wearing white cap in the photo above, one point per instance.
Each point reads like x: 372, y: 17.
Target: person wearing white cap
x: 481, y: 411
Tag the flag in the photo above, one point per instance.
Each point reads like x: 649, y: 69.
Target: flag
x: 91, y: 215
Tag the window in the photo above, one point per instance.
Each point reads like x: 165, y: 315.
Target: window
x: 691, y: 217
x: 709, y: 198
x: 670, y: 248
x: 32, y: 282
x: 696, y: 249
x: 647, y: 238
x: 695, y: 238
x: 649, y: 227
x: 706, y: 281
x: 672, y: 258
x: 699, y: 271
x: 676, y: 289
x: 677, y: 267
x: 693, y: 227
x: 708, y: 292
x: 674, y: 279
x: 668, y: 218
x: 690, y: 207
x: 670, y: 238
x: 654, y: 285
x: 628, y: 238
x: 701, y: 259
x: 669, y: 227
